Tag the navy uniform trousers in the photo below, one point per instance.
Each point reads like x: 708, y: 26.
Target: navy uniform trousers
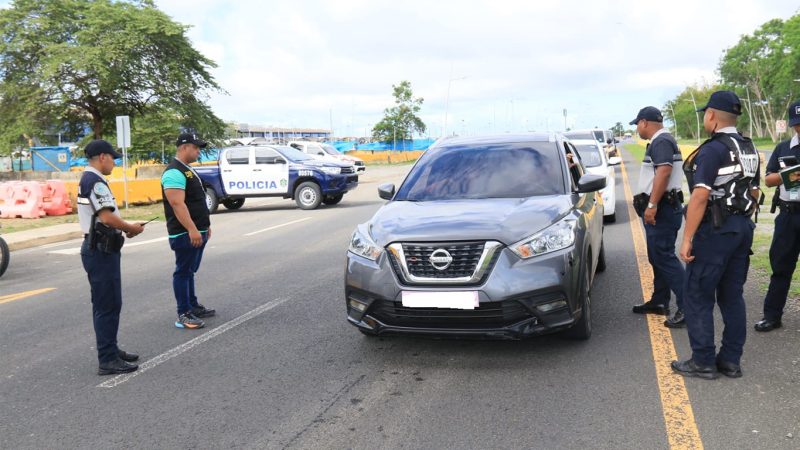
x: 105, y: 280
x: 718, y: 274
x: 668, y: 272
x: 783, y: 255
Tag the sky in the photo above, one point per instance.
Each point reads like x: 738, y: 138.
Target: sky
x: 508, y: 66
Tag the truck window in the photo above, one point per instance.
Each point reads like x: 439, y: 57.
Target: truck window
x: 238, y: 156
x: 266, y: 156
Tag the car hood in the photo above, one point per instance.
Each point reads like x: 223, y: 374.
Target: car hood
x: 507, y: 220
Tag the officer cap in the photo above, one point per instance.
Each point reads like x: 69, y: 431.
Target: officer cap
x: 726, y: 101
x: 98, y: 147
x: 794, y: 114
x: 191, y: 138
x: 649, y: 113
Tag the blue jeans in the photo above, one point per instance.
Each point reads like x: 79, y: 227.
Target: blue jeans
x: 103, y: 270
x: 668, y: 273
x: 187, y: 261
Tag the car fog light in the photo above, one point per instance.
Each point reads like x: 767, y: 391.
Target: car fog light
x: 357, y: 305
x: 547, y: 307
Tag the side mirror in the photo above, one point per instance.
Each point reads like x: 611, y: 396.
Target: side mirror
x: 386, y: 191
x: 591, y: 183
x: 280, y: 161
x: 320, y: 154
x: 614, y: 161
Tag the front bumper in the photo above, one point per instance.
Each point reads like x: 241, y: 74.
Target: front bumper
x: 518, y: 299
x: 340, y: 184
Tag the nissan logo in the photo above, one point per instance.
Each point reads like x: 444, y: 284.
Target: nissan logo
x: 440, y: 259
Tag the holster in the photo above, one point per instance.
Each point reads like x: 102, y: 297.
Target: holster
x: 640, y: 203
x: 674, y: 198
x: 104, y: 238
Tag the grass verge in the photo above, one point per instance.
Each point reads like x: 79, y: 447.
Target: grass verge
x: 133, y: 213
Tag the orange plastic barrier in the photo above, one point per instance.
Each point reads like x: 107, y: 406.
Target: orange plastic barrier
x: 56, y: 200
x: 26, y: 201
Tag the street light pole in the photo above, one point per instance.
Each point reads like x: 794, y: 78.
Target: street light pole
x: 696, y: 117
x: 447, y: 101
x: 674, y: 119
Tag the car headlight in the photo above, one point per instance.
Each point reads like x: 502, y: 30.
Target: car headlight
x: 555, y: 237
x: 332, y: 170
x: 362, y: 245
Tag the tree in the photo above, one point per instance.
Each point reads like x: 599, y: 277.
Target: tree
x: 400, y: 122
x: 87, y: 61
x: 682, y: 110
x: 618, y: 129
x: 763, y: 66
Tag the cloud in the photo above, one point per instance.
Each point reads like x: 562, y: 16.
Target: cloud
x: 310, y: 63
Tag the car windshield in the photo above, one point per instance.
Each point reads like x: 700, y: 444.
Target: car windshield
x: 590, y: 155
x: 508, y: 170
x: 292, y: 153
x: 598, y: 135
x: 579, y: 135
x: 329, y: 149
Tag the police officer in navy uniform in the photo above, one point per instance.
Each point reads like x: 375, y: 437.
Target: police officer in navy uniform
x: 102, y: 229
x: 785, y: 246
x: 660, y: 204
x: 723, y: 179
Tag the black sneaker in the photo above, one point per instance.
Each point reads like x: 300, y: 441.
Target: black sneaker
x: 188, y: 320
x: 116, y: 367
x: 202, y: 311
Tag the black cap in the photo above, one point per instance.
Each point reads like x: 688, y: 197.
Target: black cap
x: 191, y: 138
x: 726, y: 101
x: 649, y: 113
x: 98, y: 147
x: 794, y: 114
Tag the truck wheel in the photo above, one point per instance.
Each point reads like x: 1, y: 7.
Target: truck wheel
x: 308, y: 195
x: 211, y: 200
x: 4, y: 256
x: 233, y: 203
x: 332, y: 199
x: 601, y: 260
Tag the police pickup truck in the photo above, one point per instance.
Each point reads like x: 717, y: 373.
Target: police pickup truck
x: 274, y: 171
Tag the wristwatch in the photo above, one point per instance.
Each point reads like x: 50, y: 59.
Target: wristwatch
x: 650, y: 205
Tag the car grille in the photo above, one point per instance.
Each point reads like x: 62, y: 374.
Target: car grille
x: 348, y: 169
x: 486, y: 315
x: 414, y: 263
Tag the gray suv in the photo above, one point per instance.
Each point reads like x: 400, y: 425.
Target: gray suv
x: 496, y: 237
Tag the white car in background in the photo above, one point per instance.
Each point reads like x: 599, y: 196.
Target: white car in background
x: 328, y: 152
x: 596, y: 161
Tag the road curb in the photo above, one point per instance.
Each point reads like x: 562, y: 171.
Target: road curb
x: 43, y: 240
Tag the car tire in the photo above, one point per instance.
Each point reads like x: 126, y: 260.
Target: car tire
x: 5, y: 254
x: 611, y: 218
x: 332, y: 199
x: 212, y: 202
x: 582, y: 329
x: 601, y: 258
x: 308, y: 195
x: 233, y: 203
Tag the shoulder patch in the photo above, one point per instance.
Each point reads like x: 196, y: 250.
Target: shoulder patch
x: 101, y: 190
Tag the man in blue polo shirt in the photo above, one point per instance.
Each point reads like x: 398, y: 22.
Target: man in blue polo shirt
x: 189, y: 227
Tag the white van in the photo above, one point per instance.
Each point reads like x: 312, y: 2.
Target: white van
x: 328, y: 152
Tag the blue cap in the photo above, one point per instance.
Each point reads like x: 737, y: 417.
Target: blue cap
x: 794, y: 114
x: 98, y: 147
x: 649, y: 113
x: 726, y: 101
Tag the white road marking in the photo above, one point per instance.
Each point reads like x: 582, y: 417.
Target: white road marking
x: 278, y: 226
x: 186, y: 346
x: 77, y: 251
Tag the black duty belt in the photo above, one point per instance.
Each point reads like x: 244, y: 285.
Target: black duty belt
x: 789, y: 207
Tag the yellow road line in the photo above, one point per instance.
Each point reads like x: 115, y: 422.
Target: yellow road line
x: 678, y: 415
x: 21, y: 295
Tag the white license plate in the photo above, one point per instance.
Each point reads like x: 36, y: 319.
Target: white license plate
x: 447, y: 300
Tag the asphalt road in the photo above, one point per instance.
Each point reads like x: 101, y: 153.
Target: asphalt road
x: 279, y: 366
